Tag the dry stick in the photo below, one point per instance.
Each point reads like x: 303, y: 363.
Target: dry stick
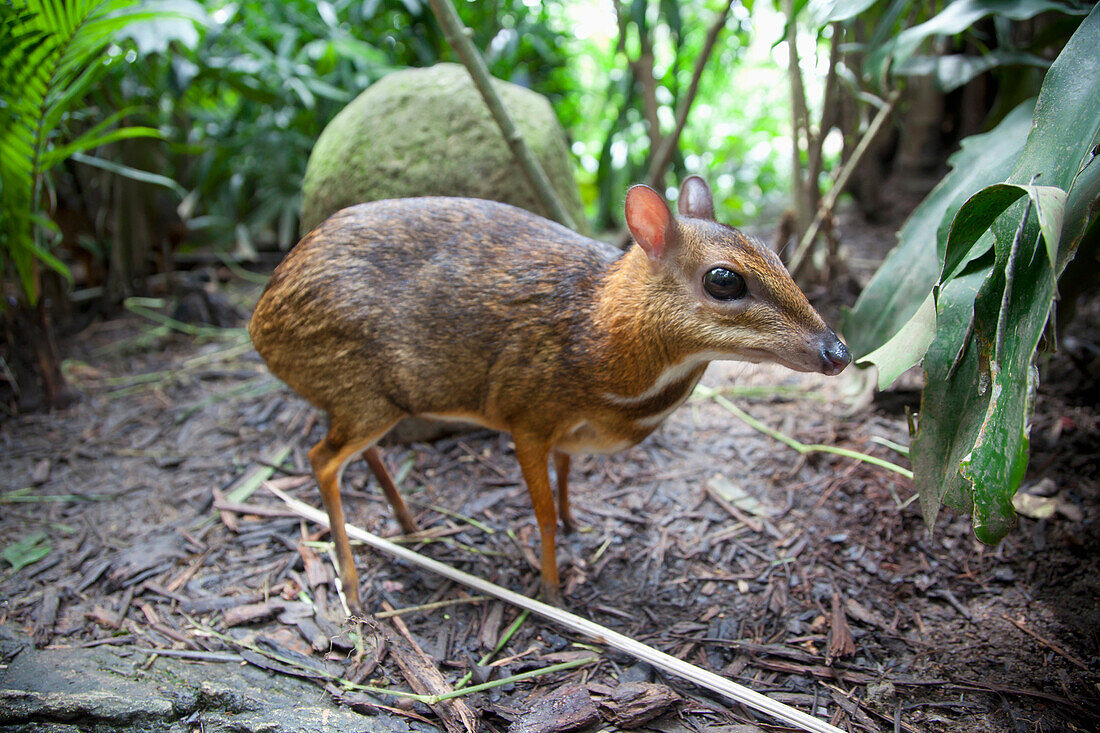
x: 663, y: 156
x: 429, y: 606
x: 841, y: 182
x: 458, y: 36
x: 1045, y: 642
x: 601, y: 634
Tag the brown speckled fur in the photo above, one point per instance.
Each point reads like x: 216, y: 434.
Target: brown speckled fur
x: 479, y: 310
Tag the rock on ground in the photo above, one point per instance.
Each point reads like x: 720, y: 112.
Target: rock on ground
x: 108, y: 689
x: 427, y: 132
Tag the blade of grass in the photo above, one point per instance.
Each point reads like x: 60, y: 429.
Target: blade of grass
x: 348, y: 684
x: 258, y: 475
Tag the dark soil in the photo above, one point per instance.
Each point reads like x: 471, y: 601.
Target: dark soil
x: 946, y: 634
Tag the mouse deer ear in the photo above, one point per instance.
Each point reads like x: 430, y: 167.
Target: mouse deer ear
x: 649, y: 220
x: 695, y: 199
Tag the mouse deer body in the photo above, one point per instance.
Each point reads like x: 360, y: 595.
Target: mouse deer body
x: 479, y: 311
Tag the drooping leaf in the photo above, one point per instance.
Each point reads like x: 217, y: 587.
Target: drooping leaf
x: 955, y: 18
x: 972, y: 444
x: 907, y: 346
x: 982, y: 209
x: 955, y: 70
x: 907, y: 276
x: 130, y: 172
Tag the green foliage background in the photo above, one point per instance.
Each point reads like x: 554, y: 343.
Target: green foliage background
x: 241, y: 96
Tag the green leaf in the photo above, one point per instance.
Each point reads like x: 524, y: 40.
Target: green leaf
x: 956, y: 18
x: 983, y: 208
x: 971, y: 447
x: 132, y: 173
x: 907, y: 346
x: 26, y: 551
x: 92, y: 141
x: 946, y: 416
x: 912, y: 268
x: 955, y: 70
x: 823, y: 12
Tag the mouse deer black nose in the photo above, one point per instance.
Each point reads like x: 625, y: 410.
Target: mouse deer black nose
x: 834, y: 355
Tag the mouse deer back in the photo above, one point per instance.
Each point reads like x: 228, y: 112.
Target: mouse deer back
x: 478, y: 311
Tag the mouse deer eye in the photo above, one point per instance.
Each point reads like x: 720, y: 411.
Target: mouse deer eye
x: 721, y: 283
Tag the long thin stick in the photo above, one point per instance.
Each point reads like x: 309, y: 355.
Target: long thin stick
x: 601, y: 634
x: 458, y: 36
x: 827, y: 204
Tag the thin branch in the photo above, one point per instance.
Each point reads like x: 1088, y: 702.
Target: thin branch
x: 668, y: 146
x: 841, y: 182
x: 458, y: 36
x: 828, y: 109
x: 659, y: 162
x: 801, y: 202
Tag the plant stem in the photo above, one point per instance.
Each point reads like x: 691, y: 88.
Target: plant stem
x: 827, y: 204
x: 602, y: 634
x: 458, y: 692
x: 801, y: 447
x: 431, y: 606
x: 458, y: 36
x: 660, y: 160
x: 504, y: 639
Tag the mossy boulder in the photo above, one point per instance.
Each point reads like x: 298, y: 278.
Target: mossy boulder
x: 427, y: 132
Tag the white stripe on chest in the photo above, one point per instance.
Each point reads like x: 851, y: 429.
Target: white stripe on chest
x: 672, y: 374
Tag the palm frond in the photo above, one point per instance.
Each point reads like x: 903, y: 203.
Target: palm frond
x: 50, y: 53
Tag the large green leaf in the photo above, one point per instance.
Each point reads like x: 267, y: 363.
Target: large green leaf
x: 972, y: 444
x: 936, y: 453
x: 912, y: 268
x: 956, y: 18
x: 954, y: 70
x: 980, y: 211
x: 907, y: 346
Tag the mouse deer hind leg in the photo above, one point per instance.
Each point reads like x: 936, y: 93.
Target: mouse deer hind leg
x: 328, y: 458
x: 373, y: 458
x: 561, y: 470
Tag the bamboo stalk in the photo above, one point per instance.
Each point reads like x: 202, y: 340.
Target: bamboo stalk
x: 458, y: 36
x: 601, y: 634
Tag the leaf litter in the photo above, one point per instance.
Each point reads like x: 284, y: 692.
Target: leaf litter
x: 796, y: 575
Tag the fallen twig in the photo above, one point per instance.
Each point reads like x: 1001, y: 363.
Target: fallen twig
x: 601, y: 634
x: 430, y: 606
x: 420, y: 672
x: 1045, y: 642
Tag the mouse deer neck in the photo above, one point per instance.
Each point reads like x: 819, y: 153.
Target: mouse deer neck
x: 634, y: 342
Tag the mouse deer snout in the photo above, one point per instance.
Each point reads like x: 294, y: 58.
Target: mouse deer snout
x: 834, y: 354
